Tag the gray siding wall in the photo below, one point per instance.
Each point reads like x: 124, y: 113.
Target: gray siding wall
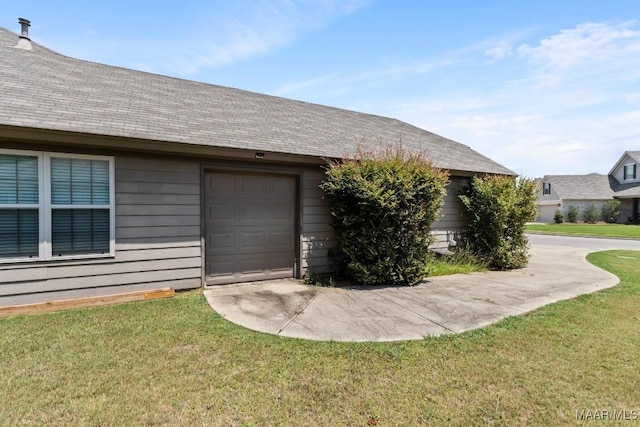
x: 582, y: 206
x: 626, y: 210
x: 619, y: 172
x: 451, y: 221
x: 318, y: 236
x: 547, y: 197
x: 157, y: 240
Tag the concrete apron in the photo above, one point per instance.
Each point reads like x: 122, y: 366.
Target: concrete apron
x: 439, y: 305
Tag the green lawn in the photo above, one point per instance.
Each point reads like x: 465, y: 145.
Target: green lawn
x: 598, y: 230
x: 458, y: 263
x: 176, y: 362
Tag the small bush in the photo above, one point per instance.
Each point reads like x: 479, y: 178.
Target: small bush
x: 591, y: 215
x: 558, y: 218
x: 610, y: 211
x: 498, y: 207
x: 383, y: 205
x: 572, y: 214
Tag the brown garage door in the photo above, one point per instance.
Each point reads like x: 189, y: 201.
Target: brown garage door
x: 250, y: 227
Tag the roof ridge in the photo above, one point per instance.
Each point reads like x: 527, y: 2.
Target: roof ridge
x: 76, y: 95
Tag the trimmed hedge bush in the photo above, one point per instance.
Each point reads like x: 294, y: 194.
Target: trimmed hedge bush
x: 592, y: 214
x: 558, y: 218
x: 610, y: 211
x: 572, y: 214
x: 498, y: 207
x: 383, y: 205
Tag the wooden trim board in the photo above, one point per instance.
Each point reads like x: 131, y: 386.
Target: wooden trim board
x: 44, y: 307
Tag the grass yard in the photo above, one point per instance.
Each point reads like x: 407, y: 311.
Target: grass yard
x: 175, y: 362
x: 597, y: 230
x: 458, y: 263
x: 437, y: 265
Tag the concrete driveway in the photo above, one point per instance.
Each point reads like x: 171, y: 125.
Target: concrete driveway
x: 440, y: 305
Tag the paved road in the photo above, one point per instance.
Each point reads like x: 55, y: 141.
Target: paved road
x: 592, y: 243
x: 440, y: 305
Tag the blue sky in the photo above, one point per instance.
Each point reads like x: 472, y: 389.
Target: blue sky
x: 543, y: 87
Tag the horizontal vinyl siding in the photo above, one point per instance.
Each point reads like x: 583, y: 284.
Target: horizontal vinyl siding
x: 451, y: 221
x: 626, y: 211
x: 317, y: 235
x: 157, y: 240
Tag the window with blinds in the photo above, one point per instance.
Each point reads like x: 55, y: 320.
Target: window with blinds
x: 55, y: 205
x: 19, y: 206
x: 629, y: 172
x: 79, y: 206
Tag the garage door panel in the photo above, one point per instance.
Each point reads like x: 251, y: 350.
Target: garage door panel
x: 280, y: 240
x: 224, y: 212
x: 220, y: 241
x: 546, y: 213
x: 230, y: 269
x: 252, y: 211
x: 250, y: 227
x: 252, y: 184
x: 224, y: 183
x: 281, y: 212
x: 252, y: 242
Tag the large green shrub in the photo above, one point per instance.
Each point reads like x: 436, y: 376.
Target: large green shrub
x: 498, y: 207
x: 610, y: 211
x: 572, y: 214
x: 383, y: 205
x: 592, y: 214
x: 558, y: 218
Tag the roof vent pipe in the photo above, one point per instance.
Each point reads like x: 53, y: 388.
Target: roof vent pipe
x: 24, y: 42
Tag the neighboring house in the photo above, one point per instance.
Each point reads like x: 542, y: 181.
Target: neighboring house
x: 114, y: 180
x: 622, y: 183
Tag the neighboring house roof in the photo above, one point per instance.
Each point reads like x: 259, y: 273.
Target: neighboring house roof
x: 582, y: 187
x: 591, y: 187
x: 42, y: 89
x: 631, y: 190
x: 635, y: 156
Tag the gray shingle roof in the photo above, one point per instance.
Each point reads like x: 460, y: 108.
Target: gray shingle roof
x: 591, y: 187
x: 628, y: 190
x: 45, y: 90
x: 582, y: 187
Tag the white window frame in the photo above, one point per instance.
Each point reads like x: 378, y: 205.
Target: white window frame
x: 45, y: 207
x: 624, y: 172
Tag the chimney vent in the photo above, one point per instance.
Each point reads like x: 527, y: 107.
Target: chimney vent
x: 24, y: 42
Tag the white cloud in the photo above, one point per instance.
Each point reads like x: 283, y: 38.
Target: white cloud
x: 588, y: 48
x: 501, y: 51
x: 256, y: 28
x: 211, y: 35
x: 341, y: 83
x: 566, y: 104
x: 632, y: 98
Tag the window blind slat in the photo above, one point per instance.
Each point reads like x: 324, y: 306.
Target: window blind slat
x: 79, y: 231
x: 79, y: 182
x: 18, y: 179
x: 19, y: 233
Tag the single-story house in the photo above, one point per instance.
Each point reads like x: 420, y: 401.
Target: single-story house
x: 114, y: 180
x: 559, y: 192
